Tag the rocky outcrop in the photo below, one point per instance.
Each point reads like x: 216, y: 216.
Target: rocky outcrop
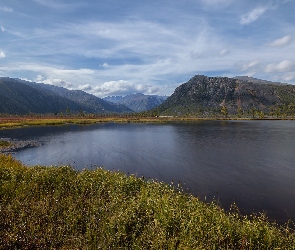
x: 202, y: 94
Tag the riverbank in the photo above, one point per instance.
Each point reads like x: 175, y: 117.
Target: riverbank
x: 16, y: 122
x: 60, y: 208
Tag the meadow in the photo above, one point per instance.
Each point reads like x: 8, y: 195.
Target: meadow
x: 61, y: 208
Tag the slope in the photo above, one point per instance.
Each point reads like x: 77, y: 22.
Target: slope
x: 22, y: 97
x: 203, y: 95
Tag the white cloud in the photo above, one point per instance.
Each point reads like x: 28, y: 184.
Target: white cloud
x: 224, y: 52
x: 289, y: 76
x: 39, y: 78
x: 217, y: 3
x: 281, y: 42
x: 253, y: 15
x: 283, y: 66
x: 250, y: 65
x: 26, y: 79
x: 55, y: 4
x: 2, y: 54
x: 85, y: 87
x: 105, y: 65
x: 120, y: 87
x: 6, y: 9
x: 2, y: 28
x: 53, y: 81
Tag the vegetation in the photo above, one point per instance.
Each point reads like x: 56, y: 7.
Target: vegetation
x: 37, y: 120
x: 60, y: 208
x: 241, y: 97
x: 4, y: 144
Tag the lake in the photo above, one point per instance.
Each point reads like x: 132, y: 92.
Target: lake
x: 251, y: 163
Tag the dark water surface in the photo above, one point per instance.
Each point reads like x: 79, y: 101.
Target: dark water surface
x: 251, y: 163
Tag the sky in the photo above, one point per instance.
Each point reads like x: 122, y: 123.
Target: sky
x: 116, y: 47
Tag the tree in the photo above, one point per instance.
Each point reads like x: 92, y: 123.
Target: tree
x: 68, y: 111
x: 224, y: 111
x: 240, y: 112
x: 253, y: 112
x: 261, y: 114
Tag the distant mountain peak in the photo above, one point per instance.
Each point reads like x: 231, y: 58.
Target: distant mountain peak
x: 138, y: 102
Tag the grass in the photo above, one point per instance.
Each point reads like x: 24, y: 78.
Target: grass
x: 4, y: 144
x: 20, y: 121
x: 60, y: 208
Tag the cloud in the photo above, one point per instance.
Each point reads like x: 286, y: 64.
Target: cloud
x: 224, y: 52
x: 85, y: 87
x: 2, y: 54
x: 249, y: 65
x: 249, y: 68
x: 53, y: 81
x: 26, y: 79
x: 2, y: 28
x: 121, y: 87
x: 283, y: 66
x: 289, y: 77
x: 217, y: 3
x: 281, y: 42
x: 5, y: 9
x: 57, y: 4
x: 105, y: 65
x: 253, y: 15
x: 128, y: 50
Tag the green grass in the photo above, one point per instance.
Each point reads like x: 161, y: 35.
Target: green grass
x: 16, y: 122
x: 4, y: 144
x: 60, y: 208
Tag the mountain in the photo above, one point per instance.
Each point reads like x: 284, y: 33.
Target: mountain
x: 137, y: 102
x: 255, y: 80
x: 203, y: 95
x: 23, y: 97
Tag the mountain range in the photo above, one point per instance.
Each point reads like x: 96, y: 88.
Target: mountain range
x: 203, y: 95
x: 137, y: 102
x: 23, y: 97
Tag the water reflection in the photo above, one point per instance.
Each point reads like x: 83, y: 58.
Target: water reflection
x: 249, y: 162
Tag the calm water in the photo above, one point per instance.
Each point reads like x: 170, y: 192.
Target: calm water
x: 251, y: 163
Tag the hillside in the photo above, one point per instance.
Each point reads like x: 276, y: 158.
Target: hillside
x: 138, y: 102
x: 22, y: 97
x: 203, y: 95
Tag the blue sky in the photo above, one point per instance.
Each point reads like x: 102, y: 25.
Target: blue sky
x: 115, y: 47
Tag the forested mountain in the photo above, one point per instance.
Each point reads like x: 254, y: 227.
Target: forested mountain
x: 203, y: 95
x: 22, y: 97
x: 138, y: 102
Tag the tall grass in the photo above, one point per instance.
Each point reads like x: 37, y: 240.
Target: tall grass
x: 4, y: 144
x: 60, y: 208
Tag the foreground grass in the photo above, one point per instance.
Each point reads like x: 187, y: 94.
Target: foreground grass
x: 60, y: 208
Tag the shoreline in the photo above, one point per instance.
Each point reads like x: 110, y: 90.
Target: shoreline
x: 9, y: 146
x: 20, y: 122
